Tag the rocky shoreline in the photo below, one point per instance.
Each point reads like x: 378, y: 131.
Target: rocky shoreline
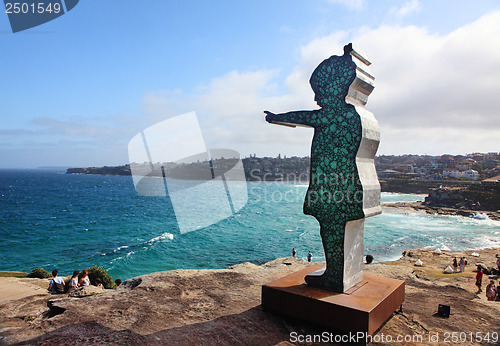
x: 421, y: 206
x: 223, y: 306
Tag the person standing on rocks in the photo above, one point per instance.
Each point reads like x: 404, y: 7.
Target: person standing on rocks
x: 455, y: 265
x: 462, y: 265
x: 309, y: 256
x: 479, y: 279
x: 293, y: 253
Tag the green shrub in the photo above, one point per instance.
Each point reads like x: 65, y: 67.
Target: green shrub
x: 95, y: 272
x: 39, y: 273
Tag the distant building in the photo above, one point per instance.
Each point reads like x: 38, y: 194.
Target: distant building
x: 403, y: 168
x: 435, y: 166
x: 422, y: 170
x: 478, y: 156
x: 470, y: 174
x: 491, y: 155
x: 464, y: 165
x: 490, y: 163
x: 491, y: 181
x: 452, y: 173
x: 447, y: 160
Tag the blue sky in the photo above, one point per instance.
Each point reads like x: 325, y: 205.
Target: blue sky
x: 77, y: 89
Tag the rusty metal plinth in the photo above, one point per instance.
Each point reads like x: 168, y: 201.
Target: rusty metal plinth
x: 364, y: 308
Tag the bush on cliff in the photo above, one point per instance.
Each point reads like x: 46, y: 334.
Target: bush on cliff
x: 95, y: 272
x: 39, y: 273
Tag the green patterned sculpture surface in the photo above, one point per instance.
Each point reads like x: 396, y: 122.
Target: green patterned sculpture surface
x: 335, y: 193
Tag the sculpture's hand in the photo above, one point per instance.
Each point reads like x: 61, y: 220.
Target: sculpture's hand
x: 269, y: 116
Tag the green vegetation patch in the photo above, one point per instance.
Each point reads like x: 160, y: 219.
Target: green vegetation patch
x: 13, y: 275
x: 39, y: 273
x: 95, y: 272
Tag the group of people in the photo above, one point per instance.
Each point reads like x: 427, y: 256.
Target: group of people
x: 492, y: 291
x: 459, y: 264
x: 79, y: 279
x: 58, y: 286
x: 369, y: 258
x: 309, y: 255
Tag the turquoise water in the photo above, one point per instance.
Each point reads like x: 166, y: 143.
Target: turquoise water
x: 71, y: 222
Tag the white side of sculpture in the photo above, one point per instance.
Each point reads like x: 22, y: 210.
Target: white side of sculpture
x: 360, y: 89
x: 353, y: 253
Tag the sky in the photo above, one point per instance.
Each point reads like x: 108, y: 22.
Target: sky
x: 77, y: 89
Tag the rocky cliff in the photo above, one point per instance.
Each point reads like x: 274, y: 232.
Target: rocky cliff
x: 212, y: 307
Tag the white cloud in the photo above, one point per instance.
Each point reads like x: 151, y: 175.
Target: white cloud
x: 355, y: 5
x: 426, y: 80
x: 434, y: 93
x: 409, y: 7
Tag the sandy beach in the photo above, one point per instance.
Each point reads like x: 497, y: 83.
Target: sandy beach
x: 223, y: 306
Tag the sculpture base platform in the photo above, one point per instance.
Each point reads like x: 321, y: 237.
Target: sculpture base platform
x: 364, y: 308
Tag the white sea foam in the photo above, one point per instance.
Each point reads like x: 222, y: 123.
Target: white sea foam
x: 120, y: 247
x: 164, y: 237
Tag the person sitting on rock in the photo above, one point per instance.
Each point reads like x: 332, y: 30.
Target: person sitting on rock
x: 84, y: 279
x: 73, y: 283
x: 491, y: 291
x: 369, y: 259
x: 98, y: 283
x: 56, y: 285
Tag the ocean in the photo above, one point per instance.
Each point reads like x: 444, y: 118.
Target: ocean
x: 71, y: 222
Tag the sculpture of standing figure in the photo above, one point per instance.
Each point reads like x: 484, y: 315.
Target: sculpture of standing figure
x: 343, y: 187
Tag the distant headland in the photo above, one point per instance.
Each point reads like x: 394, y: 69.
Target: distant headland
x: 466, y: 182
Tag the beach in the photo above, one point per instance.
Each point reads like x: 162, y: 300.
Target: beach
x: 222, y: 306
x: 420, y: 206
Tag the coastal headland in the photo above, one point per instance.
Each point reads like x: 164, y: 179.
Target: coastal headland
x: 223, y: 306
x: 430, y: 209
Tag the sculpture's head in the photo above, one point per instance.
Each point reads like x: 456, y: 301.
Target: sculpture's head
x: 330, y: 81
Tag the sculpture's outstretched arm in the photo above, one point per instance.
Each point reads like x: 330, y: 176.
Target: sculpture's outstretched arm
x: 299, y: 118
